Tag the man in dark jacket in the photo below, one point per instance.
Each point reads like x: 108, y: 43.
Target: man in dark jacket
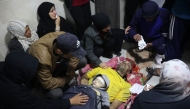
x: 151, y: 24
x: 19, y: 68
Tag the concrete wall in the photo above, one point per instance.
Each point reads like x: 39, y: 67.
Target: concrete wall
x: 26, y: 10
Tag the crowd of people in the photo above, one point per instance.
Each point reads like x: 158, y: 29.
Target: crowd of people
x: 48, y: 58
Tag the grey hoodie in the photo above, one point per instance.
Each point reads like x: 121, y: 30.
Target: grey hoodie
x: 103, y: 99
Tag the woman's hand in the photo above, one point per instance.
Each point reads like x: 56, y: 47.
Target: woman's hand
x: 79, y: 99
x: 103, y: 65
x: 127, y: 29
x: 148, y: 87
x: 57, y: 21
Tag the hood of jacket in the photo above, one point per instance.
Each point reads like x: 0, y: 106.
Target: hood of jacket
x: 20, y: 67
x: 107, y: 81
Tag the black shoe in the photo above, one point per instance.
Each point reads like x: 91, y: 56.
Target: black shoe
x: 108, y: 55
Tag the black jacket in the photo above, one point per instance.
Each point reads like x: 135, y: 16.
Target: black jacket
x: 18, y: 68
x: 15, y: 45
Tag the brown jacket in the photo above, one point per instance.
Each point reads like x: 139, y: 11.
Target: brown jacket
x: 43, y: 50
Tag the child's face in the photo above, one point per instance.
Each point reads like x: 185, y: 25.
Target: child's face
x: 97, y: 83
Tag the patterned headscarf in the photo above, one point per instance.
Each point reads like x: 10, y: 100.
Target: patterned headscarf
x: 175, y: 77
x: 17, y: 29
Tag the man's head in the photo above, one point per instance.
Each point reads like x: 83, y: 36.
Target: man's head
x: 101, y: 21
x: 150, y: 10
x: 68, y: 45
x: 124, y: 68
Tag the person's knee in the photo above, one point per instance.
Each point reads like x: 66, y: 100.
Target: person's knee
x: 161, y: 50
x: 55, y: 94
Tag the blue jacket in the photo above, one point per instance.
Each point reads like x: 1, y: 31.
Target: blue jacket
x: 154, y: 32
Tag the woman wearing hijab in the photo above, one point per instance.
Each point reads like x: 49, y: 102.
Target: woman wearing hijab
x: 100, y: 40
x: 19, y: 68
x: 21, y: 36
x: 172, y: 92
x: 50, y: 21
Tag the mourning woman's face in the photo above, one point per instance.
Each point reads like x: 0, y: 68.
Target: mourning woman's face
x: 52, y: 13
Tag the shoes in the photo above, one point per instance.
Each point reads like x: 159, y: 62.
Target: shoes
x: 109, y: 56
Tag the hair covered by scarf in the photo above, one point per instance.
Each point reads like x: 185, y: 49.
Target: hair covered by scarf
x: 175, y: 77
x: 17, y: 29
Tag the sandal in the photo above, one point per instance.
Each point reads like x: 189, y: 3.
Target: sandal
x: 152, y: 71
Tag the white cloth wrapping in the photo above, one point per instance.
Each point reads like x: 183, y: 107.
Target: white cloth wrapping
x: 141, y: 43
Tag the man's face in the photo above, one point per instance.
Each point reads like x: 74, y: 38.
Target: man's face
x: 106, y: 29
x: 97, y: 83
x: 150, y: 19
x: 65, y: 55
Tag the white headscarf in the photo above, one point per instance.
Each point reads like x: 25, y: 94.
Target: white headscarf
x: 17, y: 29
x: 175, y: 76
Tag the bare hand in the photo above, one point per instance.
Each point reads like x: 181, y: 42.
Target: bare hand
x: 103, y: 65
x: 84, y: 81
x: 127, y: 29
x: 57, y: 21
x: 137, y: 37
x: 148, y: 87
x: 148, y: 45
x: 79, y: 99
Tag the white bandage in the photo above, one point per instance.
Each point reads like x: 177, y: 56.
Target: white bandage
x: 101, y: 79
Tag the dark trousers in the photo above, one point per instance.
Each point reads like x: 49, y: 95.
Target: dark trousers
x: 175, y: 46
x: 168, y: 4
x: 113, y: 44
x: 130, y: 9
x: 82, y: 17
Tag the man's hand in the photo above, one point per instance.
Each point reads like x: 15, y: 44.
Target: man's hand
x: 84, y: 81
x: 137, y: 37
x: 127, y: 29
x: 103, y: 65
x: 115, y: 104
x: 79, y: 99
x: 148, y: 45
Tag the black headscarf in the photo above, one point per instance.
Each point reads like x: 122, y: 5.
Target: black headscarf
x: 20, y: 67
x: 46, y: 24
